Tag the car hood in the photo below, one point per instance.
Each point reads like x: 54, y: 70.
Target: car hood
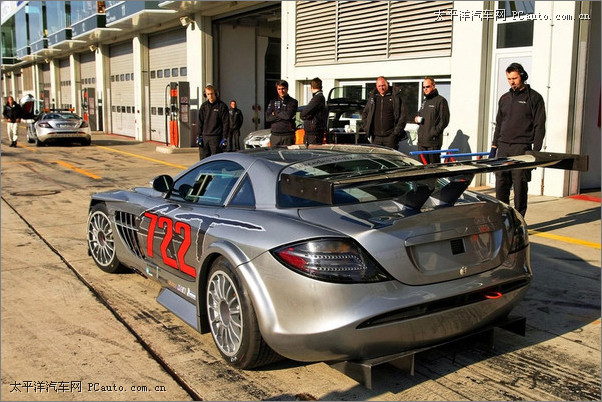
x: 420, y: 248
x: 259, y: 133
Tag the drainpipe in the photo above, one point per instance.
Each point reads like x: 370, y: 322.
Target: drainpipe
x: 548, y: 84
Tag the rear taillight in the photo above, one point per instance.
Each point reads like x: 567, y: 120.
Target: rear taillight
x: 517, y: 230
x: 332, y: 260
x: 44, y: 125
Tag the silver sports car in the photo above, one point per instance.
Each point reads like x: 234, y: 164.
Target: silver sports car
x: 60, y: 125
x: 331, y: 253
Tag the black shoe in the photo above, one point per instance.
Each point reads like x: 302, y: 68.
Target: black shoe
x: 13, y: 144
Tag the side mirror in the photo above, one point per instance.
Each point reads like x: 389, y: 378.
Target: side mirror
x: 163, y: 184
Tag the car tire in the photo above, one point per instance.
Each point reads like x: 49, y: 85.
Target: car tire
x: 86, y: 142
x: 38, y: 142
x: 101, y: 241
x: 233, y: 321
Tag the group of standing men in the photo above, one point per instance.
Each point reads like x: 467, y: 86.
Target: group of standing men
x: 520, y: 123
x: 384, y: 118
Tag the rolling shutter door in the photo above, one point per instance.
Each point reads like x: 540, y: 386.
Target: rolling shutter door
x: 45, y: 85
x: 9, y: 85
x: 346, y: 31
x: 19, y: 86
x: 65, y: 101
x: 167, y: 63
x: 87, y: 68
x: 28, y: 80
x: 121, y: 62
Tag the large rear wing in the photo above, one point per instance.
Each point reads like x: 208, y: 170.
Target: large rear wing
x: 460, y: 175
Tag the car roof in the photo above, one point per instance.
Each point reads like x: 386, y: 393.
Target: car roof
x: 276, y: 159
x: 345, y: 96
x: 298, y: 153
x: 59, y: 114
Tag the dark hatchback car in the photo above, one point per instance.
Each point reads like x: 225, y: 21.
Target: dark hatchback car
x: 345, y: 106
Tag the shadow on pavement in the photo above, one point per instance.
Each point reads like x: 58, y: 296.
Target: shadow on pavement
x: 570, y: 219
x: 107, y: 142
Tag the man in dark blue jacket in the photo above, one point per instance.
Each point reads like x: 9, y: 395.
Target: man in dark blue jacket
x: 236, y: 119
x: 214, y: 123
x: 432, y: 118
x: 520, y: 127
x: 314, y: 114
x: 280, y: 113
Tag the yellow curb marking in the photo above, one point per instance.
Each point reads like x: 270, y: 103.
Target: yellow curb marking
x: 142, y: 157
x: 565, y: 239
x: 78, y: 170
x: 28, y: 148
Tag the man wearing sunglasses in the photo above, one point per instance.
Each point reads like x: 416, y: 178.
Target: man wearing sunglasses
x: 432, y: 118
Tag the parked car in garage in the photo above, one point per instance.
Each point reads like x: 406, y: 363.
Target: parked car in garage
x: 261, y: 138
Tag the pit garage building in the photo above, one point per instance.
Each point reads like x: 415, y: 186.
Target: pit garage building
x: 118, y: 63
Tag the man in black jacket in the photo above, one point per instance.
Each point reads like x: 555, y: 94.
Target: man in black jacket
x: 384, y: 117
x: 520, y: 127
x: 13, y: 113
x: 314, y: 114
x: 280, y: 113
x: 214, y: 123
x: 432, y: 118
x: 236, y: 119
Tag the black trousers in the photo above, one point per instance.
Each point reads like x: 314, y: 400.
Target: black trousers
x: 233, y: 140
x: 390, y: 141
x: 430, y: 158
x: 282, y: 140
x: 210, y: 146
x: 513, y: 179
x: 314, y: 138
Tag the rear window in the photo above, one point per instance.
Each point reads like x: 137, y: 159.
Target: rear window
x: 69, y: 116
x: 354, y: 165
x: 61, y: 116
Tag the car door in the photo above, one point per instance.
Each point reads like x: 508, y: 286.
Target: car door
x: 174, y: 229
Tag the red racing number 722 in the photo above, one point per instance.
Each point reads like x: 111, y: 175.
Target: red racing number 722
x: 168, y: 225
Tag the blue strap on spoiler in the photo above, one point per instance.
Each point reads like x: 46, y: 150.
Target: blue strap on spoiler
x: 459, y: 173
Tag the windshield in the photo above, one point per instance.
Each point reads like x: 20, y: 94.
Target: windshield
x: 356, y: 166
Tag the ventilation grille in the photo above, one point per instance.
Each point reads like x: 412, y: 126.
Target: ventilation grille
x: 343, y: 31
x: 126, y: 228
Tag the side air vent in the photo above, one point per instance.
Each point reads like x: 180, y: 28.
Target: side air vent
x: 126, y: 227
